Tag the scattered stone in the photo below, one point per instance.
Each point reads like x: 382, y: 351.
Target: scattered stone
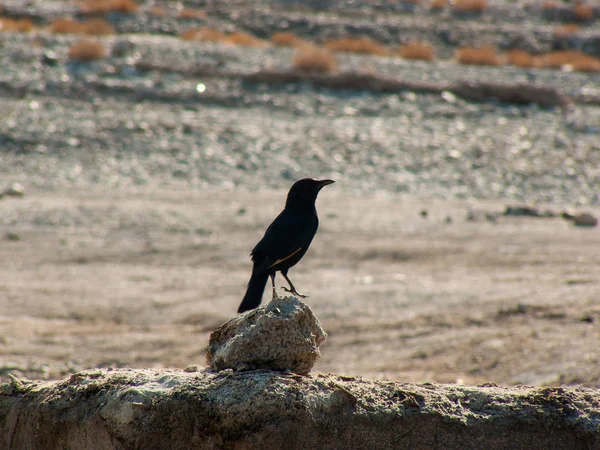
x: 11, y: 236
x: 548, y: 214
x: 283, y: 335
x: 16, y: 190
x: 191, y: 368
x: 50, y: 58
x: 424, y: 213
x: 585, y: 220
x: 478, y: 216
x: 472, y: 216
x: 522, y: 211
x: 514, y: 310
x: 491, y: 217
x: 581, y: 219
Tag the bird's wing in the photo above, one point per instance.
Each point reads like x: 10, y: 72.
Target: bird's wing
x: 289, y: 235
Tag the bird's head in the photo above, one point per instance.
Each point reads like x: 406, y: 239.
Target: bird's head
x: 303, y: 193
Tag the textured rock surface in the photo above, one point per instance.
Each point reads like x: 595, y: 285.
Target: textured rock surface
x: 159, y: 409
x: 282, y: 335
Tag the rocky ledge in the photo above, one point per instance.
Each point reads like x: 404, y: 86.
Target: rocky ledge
x: 240, y: 402
x: 175, y: 409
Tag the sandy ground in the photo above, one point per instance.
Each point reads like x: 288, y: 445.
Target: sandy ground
x: 132, y: 241
x: 98, y: 278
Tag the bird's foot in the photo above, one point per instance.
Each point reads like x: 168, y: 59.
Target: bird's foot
x: 275, y: 294
x: 294, y: 292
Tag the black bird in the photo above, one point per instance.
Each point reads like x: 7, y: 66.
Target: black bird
x: 285, y: 242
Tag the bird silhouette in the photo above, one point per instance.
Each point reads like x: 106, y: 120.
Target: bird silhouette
x: 285, y: 242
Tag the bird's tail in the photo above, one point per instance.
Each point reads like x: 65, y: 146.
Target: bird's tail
x: 254, y: 292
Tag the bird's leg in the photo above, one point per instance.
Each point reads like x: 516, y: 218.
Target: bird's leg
x: 273, y: 283
x: 292, y: 289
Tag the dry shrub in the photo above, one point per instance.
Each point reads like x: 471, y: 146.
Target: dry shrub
x: 158, y: 11
x: 363, y: 45
x: 438, y: 5
x: 98, y: 27
x: 571, y: 60
x: 191, y: 14
x: 469, y: 6
x: 550, y: 6
x: 204, y: 34
x: 584, y: 13
x: 314, y: 59
x: 483, y: 56
x: 87, y: 50
x: 106, y: 6
x: 16, y: 26
x: 66, y: 26
x: 521, y: 58
x: 189, y: 35
x: 95, y: 27
x: 245, y: 40
x: 567, y: 30
x: 417, y: 50
x: 287, y: 40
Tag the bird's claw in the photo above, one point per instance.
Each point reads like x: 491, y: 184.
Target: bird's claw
x: 293, y: 291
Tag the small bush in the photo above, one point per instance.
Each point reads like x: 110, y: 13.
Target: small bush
x: 483, y: 56
x: 469, y: 6
x: 16, y: 26
x: 584, y: 13
x: 98, y: 27
x: 66, y: 26
x: 417, y: 51
x: 314, y: 59
x: 287, y: 40
x: 204, y: 34
x: 521, y: 58
x: 87, y: 50
x: 191, y: 14
x: 95, y: 27
x: 158, y: 11
x: 106, y: 6
x: 438, y: 5
x: 245, y: 40
x: 362, y: 45
x: 571, y: 60
x: 550, y: 6
x: 567, y: 30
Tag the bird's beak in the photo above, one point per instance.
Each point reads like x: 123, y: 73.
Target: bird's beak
x: 324, y: 183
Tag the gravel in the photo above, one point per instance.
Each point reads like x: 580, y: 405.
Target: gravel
x: 113, y: 124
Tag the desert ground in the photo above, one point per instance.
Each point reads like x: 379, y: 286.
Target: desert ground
x: 146, y: 189
x: 140, y: 279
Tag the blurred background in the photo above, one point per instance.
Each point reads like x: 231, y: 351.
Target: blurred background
x: 146, y: 146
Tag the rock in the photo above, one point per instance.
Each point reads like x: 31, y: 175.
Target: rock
x: 522, y: 211
x: 16, y: 190
x: 172, y: 409
x: 585, y: 220
x: 283, y: 335
x: 581, y: 219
